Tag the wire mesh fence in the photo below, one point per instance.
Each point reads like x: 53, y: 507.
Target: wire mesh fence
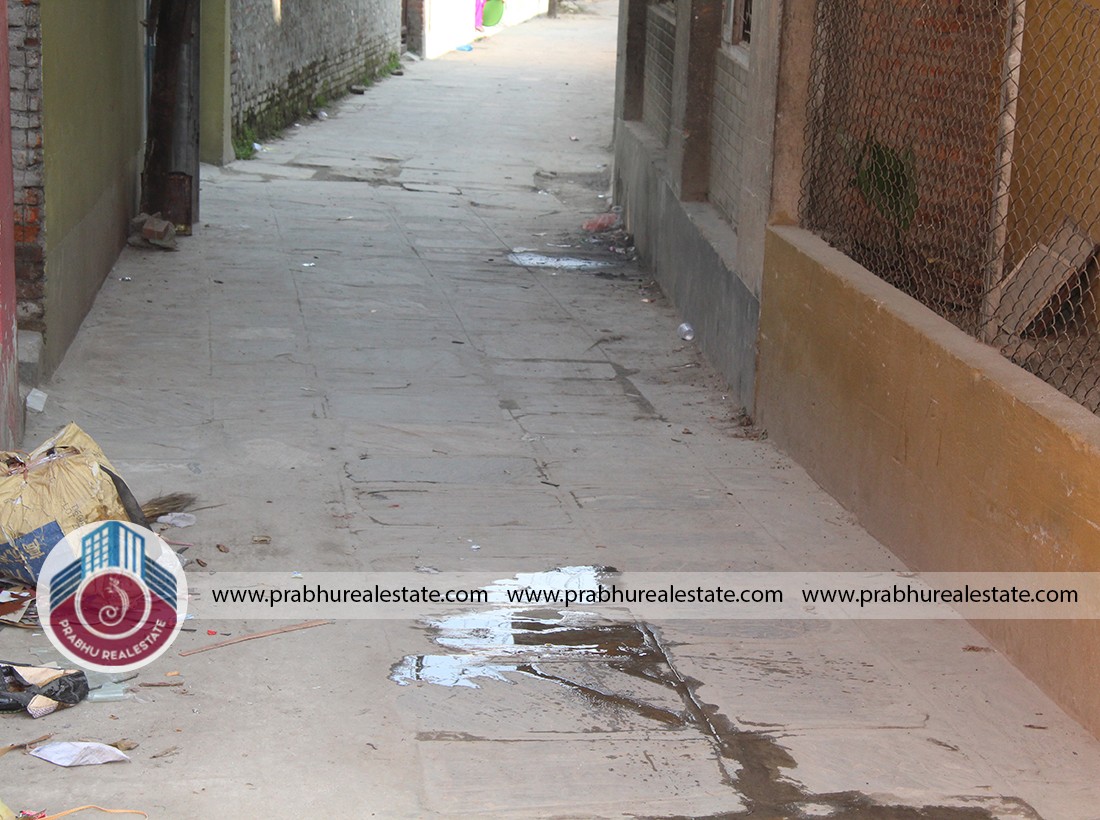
x: 953, y: 149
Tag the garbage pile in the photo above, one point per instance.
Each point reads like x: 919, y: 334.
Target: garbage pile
x: 64, y: 483
x: 608, y: 232
x: 60, y: 486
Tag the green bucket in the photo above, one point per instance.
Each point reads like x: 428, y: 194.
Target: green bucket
x: 492, y: 12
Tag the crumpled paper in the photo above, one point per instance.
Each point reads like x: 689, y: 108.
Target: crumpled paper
x: 79, y: 753
x: 178, y: 519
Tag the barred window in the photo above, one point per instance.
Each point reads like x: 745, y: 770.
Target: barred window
x: 738, y: 23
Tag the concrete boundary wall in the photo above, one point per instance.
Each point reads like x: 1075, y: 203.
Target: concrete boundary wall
x: 691, y: 251
x: 953, y: 457
x: 695, y: 181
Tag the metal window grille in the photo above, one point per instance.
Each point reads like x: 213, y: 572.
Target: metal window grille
x: 738, y: 22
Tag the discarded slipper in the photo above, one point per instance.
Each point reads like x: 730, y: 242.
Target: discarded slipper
x: 39, y: 690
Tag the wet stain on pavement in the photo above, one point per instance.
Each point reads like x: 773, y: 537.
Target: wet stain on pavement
x: 529, y: 259
x: 532, y: 643
x: 631, y: 391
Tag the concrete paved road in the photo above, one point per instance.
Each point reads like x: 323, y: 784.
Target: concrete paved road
x: 344, y: 361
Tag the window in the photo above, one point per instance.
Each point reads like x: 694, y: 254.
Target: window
x: 739, y: 22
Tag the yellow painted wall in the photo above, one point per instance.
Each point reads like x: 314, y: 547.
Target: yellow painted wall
x: 953, y: 457
x: 215, y: 101
x: 93, y: 111
x: 1057, y: 147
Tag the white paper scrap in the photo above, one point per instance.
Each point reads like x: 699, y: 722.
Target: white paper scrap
x: 68, y: 753
x: 178, y: 519
x: 36, y: 400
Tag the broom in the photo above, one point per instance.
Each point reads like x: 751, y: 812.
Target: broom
x: 164, y: 504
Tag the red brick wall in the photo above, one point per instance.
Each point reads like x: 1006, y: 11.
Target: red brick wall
x: 25, y: 55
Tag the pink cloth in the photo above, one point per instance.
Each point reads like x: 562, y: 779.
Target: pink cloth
x: 479, y: 11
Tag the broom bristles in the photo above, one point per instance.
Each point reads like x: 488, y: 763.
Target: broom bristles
x: 164, y: 504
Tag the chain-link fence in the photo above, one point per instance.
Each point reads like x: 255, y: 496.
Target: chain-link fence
x: 954, y: 150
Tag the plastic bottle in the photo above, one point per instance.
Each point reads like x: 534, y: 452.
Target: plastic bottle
x: 108, y: 692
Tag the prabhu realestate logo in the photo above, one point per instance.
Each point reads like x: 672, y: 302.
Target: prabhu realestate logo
x: 112, y: 596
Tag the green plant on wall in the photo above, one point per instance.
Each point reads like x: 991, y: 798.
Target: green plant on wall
x: 376, y: 70
x: 243, y: 140
x: 886, y: 178
x: 270, y: 120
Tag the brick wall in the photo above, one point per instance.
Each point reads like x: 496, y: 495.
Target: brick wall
x: 660, y: 35
x: 25, y: 54
x: 727, y: 132
x: 286, y: 53
x: 920, y: 76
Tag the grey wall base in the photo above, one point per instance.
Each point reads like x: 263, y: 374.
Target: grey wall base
x: 692, y: 254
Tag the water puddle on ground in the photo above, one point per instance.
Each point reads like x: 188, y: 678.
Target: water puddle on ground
x: 495, y: 641
x: 509, y: 645
x: 529, y: 259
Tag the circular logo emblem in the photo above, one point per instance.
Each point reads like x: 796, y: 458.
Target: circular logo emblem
x: 112, y: 596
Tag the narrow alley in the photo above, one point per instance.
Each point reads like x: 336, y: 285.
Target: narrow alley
x: 355, y: 369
